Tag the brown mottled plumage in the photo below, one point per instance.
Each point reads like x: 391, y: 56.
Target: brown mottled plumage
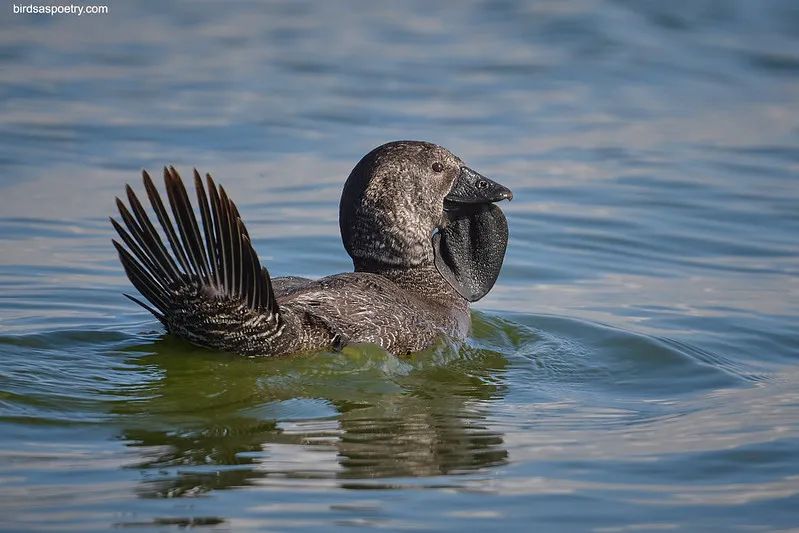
x: 420, y: 227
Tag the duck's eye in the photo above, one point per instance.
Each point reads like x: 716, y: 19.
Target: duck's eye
x: 438, y: 167
x: 482, y: 184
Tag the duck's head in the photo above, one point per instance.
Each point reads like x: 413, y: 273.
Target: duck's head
x: 408, y: 204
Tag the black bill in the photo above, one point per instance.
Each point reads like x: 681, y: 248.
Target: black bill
x: 470, y: 244
x: 473, y: 188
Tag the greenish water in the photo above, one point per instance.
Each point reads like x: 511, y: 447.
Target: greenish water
x: 635, y: 368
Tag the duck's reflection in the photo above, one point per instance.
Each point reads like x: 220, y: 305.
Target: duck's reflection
x: 207, y: 421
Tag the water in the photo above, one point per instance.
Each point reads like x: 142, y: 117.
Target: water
x: 635, y: 368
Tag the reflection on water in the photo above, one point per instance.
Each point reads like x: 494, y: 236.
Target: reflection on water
x: 388, y: 418
x: 634, y: 367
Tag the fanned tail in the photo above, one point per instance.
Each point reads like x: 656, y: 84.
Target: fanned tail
x: 209, y: 275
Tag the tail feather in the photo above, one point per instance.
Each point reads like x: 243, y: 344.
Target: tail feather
x: 148, y: 234
x: 163, y: 218
x: 143, y: 280
x: 215, y: 253
x: 208, y: 227
x: 187, y: 223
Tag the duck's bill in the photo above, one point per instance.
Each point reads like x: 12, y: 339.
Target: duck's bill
x: 471, y: 187
x: 470, y: 244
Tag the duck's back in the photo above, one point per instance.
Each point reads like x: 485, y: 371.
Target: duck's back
x: 363, y: 307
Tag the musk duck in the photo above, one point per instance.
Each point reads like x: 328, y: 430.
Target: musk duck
x: 422, y: 229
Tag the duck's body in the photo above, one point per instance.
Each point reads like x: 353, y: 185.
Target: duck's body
x: 409, y: 287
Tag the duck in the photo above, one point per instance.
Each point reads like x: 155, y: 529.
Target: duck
x: 424, y: 232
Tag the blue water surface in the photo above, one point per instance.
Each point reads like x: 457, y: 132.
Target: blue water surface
x: 635, y: 368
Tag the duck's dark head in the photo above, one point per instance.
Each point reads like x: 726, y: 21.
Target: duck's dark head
x: 409, y: 204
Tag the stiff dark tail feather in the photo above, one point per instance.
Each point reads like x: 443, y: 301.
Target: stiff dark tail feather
x: 215, y: 253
